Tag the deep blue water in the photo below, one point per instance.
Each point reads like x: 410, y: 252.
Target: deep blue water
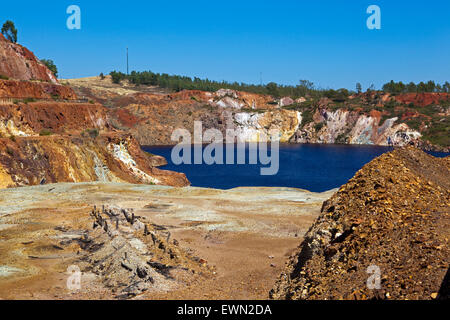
x: 313, y: 167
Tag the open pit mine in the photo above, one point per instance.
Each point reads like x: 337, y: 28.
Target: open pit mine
x: 86, y: 214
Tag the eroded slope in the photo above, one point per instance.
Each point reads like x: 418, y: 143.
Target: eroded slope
x: 394, y: 215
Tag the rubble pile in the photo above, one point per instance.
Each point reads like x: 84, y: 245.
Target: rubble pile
x: 384, y: 235
x: 132, y: 256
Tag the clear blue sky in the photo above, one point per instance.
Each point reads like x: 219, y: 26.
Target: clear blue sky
x: 326, y: 42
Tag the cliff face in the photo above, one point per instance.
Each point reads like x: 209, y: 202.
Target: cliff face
x: 14, y: 89
x: 19, y: 63
x: 253, y: 127
x: 343, y: 126
x: 367, y: 118
x: 48, y: 134
x: 392, y: 219
x: 107, y: 158
x: 29, y: 119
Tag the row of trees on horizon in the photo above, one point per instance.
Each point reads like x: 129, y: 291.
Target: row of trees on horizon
x: 304, y: 88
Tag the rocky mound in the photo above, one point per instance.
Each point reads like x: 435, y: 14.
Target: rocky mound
x: 133, y: 256
x: 19, y: 63
x: 391, y: 217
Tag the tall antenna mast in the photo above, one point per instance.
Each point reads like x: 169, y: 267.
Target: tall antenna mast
x: 127, y: 61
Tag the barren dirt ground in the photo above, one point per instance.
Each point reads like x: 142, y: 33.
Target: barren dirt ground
x: 107, y: 86
x: 245, y: 233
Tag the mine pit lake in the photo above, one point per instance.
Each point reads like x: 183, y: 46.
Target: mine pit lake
x: 312, y: 167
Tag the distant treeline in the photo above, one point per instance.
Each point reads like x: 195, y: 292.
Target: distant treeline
x: 304, y: 88
x: 430, y: 86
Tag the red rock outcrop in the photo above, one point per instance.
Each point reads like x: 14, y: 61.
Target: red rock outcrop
x: 19, y: 63
x: 48, y: 135
x: 36, y: 90
x: 28, y: 119
x: 422, y: 99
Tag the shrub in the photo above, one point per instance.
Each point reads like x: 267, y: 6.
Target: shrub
x: 93, y: 133
x: 117, y: 77
x: 3, y: 77
x: 27, y: 100
x: 318, y: 126
x: 45, y: 132
x: 307, y: 117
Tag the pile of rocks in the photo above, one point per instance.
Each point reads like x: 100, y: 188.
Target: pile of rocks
x: 384, y: 235
x: 132, y: 256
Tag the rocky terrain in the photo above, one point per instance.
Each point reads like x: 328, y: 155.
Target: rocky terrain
x: 152, y: 114
x: 392, y: 216
x: 19, y: 63
x: 183, y: 243
x: 158, y: 242
x: 48, y: 134
x: 111, y: 157
x: 91, y: 199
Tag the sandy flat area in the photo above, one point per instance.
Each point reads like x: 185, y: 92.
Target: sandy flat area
x: 245, y: 233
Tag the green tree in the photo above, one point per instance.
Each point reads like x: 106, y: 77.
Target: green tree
x: 51, y: 66
x: 421, y: 87
x: 371, y: 88
x: 117, y: 76
x: 358, y: 87
x: 446, y: 87
x: 430, y: 86
x: 9, y: 31
x: 272, y: 89
x: 411, y: 87
x: 305, y: 87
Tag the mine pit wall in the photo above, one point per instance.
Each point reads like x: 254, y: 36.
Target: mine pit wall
x: 254, y: 127
x: 53, y: 159
x: 48, y: 136
x: 152, y: 119
x: 340, y: 126
x: 27, y: 107
x: 35, y: 89
x: 57, y: 117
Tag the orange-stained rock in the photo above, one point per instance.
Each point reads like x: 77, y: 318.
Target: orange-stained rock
x: 392, y: 217
x: 114, y: 157
x: 19, y: 63
x: 58, y: 117
x: 37, y: 90
x: 48, y: 135
x: 422, y: 99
